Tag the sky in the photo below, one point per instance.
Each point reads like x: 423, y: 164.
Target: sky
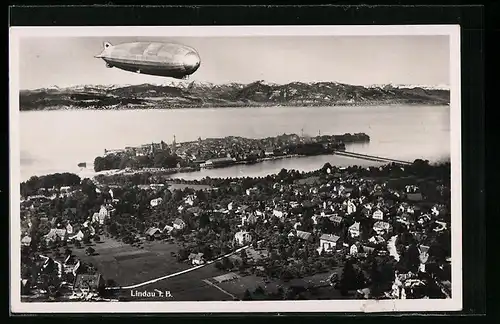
x: 361, y: 60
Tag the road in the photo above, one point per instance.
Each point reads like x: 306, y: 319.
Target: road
x: 183, y: 271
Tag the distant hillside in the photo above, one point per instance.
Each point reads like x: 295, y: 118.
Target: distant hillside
x: 206, y: 95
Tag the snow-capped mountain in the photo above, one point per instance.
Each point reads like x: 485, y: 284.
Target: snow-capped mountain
x: 184, y: 94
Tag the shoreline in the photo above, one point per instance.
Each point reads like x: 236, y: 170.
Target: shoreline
x: 342, y: 105
x: 92, y: 175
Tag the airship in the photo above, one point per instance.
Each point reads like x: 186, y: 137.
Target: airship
x: 153, y: 58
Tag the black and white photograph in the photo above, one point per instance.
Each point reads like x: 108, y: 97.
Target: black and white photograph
x: 235, y: 169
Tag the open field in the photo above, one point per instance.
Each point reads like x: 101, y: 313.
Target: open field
x: 323, y: 290
x: 186, y: 287
x: 129, y: 265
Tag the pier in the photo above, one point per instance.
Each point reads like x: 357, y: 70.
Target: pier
x: 371, y: 157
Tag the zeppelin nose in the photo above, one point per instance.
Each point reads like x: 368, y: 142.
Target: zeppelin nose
x: 191, y: 62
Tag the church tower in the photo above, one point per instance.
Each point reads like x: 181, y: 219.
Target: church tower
x: 174, y: 145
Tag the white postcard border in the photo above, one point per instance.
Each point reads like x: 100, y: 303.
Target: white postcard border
x: 421, y: 305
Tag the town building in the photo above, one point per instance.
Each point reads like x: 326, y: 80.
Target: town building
x: 354, y: 230
x: 79, y: 236
x: 196, y: 258
x: 242, y: 238
x: 378, y: 215
x: 26, y: 240
x: 153, y: 233
x: 156, y: 202
x: 381, y: 228
x: 328, y: 242
x: 179, y: 224
x: 55, y: 234
x: 302, y: 235
x: 88, y: 283
x: 71, y: 264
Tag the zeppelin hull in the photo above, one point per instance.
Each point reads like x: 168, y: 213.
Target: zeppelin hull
x: 164, y: 70
x: 159, y: 59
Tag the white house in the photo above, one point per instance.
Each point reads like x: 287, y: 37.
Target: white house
x: 328, y: 242
x: 242, y: 238
x: 381, y: 227
x: 69, y: 229
x: 168, y: 229
x: 55, y: 233
x: 351, y: 208
x: 179, y: 224
x: 65, y: 189
x: 196, y: 259
x: 278, y: 213
x: 378, y: 214
x: 189, y: 200
x: 103, y: 212
x: 156, y: 202
x: 354, y: 230
x: 376, y: 239
x: 78, y: 236
x: 353, y: 250
x: 441, y: 226
x: 26, y: 241
x: 95, y: 218
x: 424, y: 256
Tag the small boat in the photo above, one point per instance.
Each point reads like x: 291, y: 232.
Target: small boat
x: 82, y: 165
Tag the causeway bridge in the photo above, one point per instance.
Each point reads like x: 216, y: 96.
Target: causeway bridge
x: 371, y: 157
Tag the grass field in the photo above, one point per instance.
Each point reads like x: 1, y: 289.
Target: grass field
x: 129, y: 265
x: 185, y: 287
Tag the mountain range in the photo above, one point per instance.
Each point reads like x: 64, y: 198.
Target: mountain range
x: 208, y: 95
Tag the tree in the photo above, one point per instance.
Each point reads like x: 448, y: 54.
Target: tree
x: 348, y: 278
x: 259, y: 291
x: 204, y: 220
x: 247, y: 295
x: 182, y: 255
x: 411, y: 258
x: 111, y: 283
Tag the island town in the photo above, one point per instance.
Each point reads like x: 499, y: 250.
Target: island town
x: 221, y: 152
x: 334, y: 233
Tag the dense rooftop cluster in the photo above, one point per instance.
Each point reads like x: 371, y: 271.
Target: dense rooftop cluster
x: 384, y: 231
x: 237, y: 149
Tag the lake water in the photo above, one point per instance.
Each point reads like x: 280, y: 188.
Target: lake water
x: 56, y: 141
